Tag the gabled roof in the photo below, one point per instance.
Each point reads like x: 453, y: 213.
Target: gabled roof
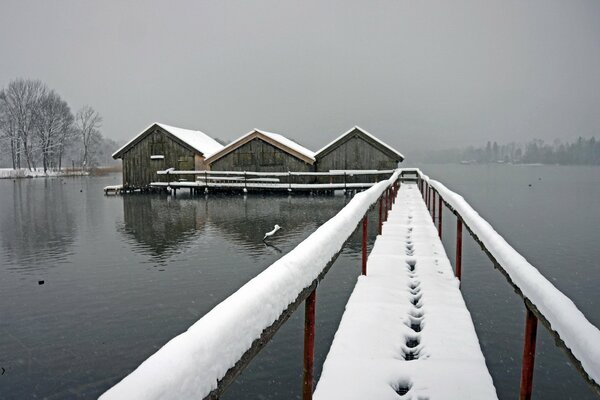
x: 195, y: 140
x: 356, y: 130
x: 275, y: 139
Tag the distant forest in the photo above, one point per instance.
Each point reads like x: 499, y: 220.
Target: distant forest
x: 39, y: 130
x: 580, y: 152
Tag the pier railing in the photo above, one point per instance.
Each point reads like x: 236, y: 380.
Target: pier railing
x: 572, y: 332
x: 252, y: 180
x: 203, y: 361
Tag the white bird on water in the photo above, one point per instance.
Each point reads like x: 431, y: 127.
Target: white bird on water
x: 271, y: 233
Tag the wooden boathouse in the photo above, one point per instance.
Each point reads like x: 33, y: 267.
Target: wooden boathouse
x: 357, y: 149
x: 159, y: 147
x: 261, y: 151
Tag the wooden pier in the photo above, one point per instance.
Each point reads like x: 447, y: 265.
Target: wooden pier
x: 406, y: 329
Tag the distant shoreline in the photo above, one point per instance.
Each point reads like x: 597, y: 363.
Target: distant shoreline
x: 25, y: 173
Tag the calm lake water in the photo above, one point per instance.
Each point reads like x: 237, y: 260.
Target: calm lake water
x: 123, y: 275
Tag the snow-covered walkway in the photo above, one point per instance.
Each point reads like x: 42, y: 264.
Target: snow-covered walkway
x: 406, y: 329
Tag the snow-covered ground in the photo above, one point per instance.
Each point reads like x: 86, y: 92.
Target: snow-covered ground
x: 406, y: 329
x: 9, y: 173
x: 578, y: 334
x: 190, y: 365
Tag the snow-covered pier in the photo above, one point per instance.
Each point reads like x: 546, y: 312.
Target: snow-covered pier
x: 406, y: 328
x: 406, y: 332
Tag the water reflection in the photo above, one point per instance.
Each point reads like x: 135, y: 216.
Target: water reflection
x: 32, y: 237
x: 159, y: 225
x: 162, y: 226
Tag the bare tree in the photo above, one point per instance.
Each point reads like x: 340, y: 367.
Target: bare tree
x: 53, y: 123
x: 19, y: 103
x: 88, y: 122
x: 8, y: 133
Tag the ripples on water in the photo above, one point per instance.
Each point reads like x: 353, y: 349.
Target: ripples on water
x: 123, y: 275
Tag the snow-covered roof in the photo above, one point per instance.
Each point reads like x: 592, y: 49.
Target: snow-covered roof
x: 289, y: 143
x: 275, y: 138
x: 358, y: 128
x: 196, y: 139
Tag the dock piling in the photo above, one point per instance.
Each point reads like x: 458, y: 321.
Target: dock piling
x: 433, y: 210
x: 309, y: 345
x: 528, y: 355
x: 440, y: 212
x: 365, y: 228
x: 458, y: 264
x: 379, y: 225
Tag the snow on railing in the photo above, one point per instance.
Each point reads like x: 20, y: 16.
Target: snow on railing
x: 350, y: 172
x: 195, y: 363
x: 579, y: 337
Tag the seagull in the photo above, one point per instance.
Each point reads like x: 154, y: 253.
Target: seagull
x: 269, y: 234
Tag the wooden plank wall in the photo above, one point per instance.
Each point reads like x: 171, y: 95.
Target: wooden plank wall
x: 355, y: 153
x: 139, y: 170
x: 260, y: 156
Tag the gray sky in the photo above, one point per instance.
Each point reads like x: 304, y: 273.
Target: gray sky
x: 414, y: 73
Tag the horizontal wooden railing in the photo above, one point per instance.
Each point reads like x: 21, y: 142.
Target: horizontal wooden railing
x: 572, y: 332
x: 205, y: 360
x: 359, y: 172
x: 253, y: 180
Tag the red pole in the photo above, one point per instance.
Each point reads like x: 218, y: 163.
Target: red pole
x: 458, y: 247
x: 380, y: 215
x: 528, y: 355
x: 440, y: 215
x: 365, y: 226
x: 433, y: 206
x: 384, y: 198
x: 309, y: 344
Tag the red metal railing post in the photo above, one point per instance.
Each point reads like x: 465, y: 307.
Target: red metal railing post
x: 433, y: 206
x: 365, y: 228
x: 384, y: 198
x: 379, y: 225
x: 309, y: 345
x: 458, y: 268
x: 440, y: 215
x: 528, y: 355
x: 387, y: 204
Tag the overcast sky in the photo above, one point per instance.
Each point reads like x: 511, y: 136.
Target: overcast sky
x: 414, y: 73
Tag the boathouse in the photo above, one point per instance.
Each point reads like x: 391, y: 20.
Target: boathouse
x: 357, y: 149
x: 262, y: 151
x: 159, y: 147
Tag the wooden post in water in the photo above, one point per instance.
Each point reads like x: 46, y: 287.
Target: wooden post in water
x: 309, y: 345
x: 458, y: 264
x: 365, y: 228
x: 439, y: 215
x: 528, y: 355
